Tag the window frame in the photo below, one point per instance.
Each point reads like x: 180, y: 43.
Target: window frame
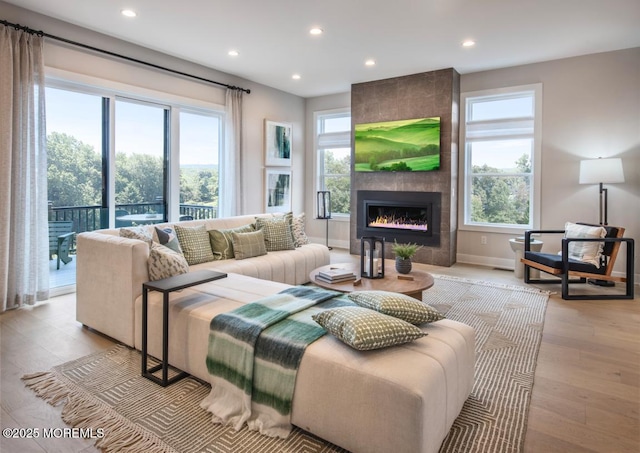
x: 110, y: 91
x: 466, y: 100
x: 319, y: 152
x: 221, y: 152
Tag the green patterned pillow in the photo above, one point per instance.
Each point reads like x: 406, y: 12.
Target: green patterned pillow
x: 397, y: 305
x: 194, y: 242
x: 164, y: 262
x: 297, y: 231
x: 365, y: 329
x: 222, y: 243
x: 248, y: 245
x: 277, y: 232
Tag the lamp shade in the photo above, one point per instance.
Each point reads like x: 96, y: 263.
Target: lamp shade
x: 596, y: 171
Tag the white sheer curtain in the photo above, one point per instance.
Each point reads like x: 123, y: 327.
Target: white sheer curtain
x: 24, y: 236
x: 231, y: 174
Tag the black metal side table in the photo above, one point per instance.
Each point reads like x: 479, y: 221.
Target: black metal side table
x: 167, y: 286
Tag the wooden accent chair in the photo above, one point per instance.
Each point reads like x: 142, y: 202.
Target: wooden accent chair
x: 564, y: 267
x: 60, y: 240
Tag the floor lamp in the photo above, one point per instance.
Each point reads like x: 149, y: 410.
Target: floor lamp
x: 601, y: 171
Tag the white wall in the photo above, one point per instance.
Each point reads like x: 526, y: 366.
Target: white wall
x: 591, y: 108
x: 317, y: 229
x: 263, y: 102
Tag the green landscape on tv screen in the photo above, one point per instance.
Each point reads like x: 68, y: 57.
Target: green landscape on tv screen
x: 406, y: 145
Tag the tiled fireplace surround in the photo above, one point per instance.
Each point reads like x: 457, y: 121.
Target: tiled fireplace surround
x: 429, y: 94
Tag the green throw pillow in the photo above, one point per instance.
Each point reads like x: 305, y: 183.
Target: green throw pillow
x: 397, y: 305
x: 277, y: 232
x: 222, y: 242
x: 365, y: 329
x: 194, y: 242
x: 248, y: 245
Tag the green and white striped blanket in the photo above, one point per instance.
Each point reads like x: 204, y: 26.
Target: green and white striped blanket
x: 254, y: 354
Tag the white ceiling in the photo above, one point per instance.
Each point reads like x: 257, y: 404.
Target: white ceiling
x: 403, y: 36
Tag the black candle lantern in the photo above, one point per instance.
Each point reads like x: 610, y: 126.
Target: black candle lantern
x: 324, y: 204
x: 372, y: 257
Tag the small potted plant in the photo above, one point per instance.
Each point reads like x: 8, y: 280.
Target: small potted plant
x: 404, y: 253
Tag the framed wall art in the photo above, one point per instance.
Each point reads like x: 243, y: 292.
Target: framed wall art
x: 277, y: 143
x: 277, y: 190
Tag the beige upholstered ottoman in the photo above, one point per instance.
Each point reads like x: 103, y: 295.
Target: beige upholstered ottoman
x: 399, y: 399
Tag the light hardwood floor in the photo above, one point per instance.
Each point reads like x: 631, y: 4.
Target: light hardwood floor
x: 586, y: 395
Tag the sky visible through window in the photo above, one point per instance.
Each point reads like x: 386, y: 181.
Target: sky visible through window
x: 75, y: 114
x: 80, y: 115
x: 501, y: 154
x: 336, y: 124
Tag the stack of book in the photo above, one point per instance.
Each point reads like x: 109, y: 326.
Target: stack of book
x: 336, y: 275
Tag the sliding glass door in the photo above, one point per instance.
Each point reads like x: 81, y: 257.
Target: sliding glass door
x: 141, y: 150
x: 75, y: 175
x: 111, y: 159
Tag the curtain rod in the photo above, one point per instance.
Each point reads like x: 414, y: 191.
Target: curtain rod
x: 113, y: 54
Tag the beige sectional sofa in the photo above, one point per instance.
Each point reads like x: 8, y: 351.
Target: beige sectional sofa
x: 111, y: 270
x: 401, y: 399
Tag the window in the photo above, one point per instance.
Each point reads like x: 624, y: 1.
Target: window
x: 501, y: 130
x: 74, y: 150
x: 333, y: 145
x: 141, y: 153
x: 119, y: 158
x: 200, y: 134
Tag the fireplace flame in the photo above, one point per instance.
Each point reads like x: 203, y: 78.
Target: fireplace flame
x: 399, y: 223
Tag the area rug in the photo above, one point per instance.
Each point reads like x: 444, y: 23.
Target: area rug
x: 105, y: 396
x: 508, y: 321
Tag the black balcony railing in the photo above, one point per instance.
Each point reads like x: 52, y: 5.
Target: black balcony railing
x: 90, y: 218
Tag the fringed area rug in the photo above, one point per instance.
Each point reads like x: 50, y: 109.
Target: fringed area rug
x: 105, y: 391
x: 508, y: 321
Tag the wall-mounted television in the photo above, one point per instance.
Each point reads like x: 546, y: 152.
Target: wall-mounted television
x: 405, y: 145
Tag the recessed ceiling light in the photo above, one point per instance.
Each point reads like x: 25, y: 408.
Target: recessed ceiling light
x: 233, y: 53
x: 468, y: 43
x: 370, y: 62
x: 296, y: 77
x: 128, y: 13
x: 316, y: 31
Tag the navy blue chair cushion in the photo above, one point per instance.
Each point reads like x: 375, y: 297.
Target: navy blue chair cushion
x: 555, y: 262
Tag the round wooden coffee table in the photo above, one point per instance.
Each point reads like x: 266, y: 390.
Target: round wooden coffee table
x: 411, y: 284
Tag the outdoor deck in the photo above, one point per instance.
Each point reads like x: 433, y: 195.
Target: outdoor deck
x: 61, y: 279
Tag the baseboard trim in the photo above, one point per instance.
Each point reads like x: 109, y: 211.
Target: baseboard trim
x: 502, y: 263
x: 478, y: 260
x: 332, y: 242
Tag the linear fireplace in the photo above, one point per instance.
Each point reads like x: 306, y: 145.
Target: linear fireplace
x: 401, y: 216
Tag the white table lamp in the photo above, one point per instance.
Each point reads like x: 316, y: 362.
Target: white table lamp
x: 601, y: 171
